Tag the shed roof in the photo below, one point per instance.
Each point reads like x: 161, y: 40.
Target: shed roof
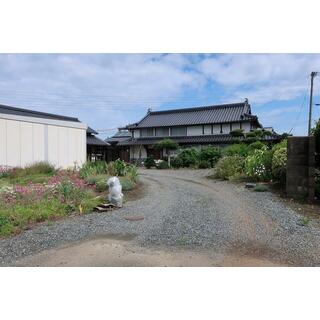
x: 35, y: 114
x: 41, y: 115
x: 234, y: 112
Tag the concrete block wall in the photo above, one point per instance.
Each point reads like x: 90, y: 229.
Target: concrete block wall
x: 300, y: 181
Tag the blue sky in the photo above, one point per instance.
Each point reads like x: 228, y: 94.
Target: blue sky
x: 111, y: 90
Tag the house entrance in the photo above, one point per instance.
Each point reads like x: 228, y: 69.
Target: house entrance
x: 155, y: 153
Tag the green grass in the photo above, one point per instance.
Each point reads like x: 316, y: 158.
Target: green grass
x: 66, y: 199
x: 261, y: 188
x: 17, y: 217
x: 304, y: 221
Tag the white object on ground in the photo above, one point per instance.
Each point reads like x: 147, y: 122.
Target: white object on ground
x: 115, y: 195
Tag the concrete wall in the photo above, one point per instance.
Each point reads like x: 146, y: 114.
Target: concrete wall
x: 300, y: 179
x: 25, y: 140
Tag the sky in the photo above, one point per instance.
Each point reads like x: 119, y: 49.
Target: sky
x: 108, y: 91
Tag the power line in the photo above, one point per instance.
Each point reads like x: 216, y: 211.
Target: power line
x: 299, y: 114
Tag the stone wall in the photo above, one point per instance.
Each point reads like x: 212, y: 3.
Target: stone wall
x: 300, y: 167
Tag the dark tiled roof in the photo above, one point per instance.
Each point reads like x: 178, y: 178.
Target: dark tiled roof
x: 201, y: 115
x: 122, y: 135
x: 91, y: 131
x: 36, y: 114
x: 217, y: 138
x: 92, y: 140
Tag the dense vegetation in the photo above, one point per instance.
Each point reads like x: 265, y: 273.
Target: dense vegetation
x: 255, y: 161
x: 42, y: 193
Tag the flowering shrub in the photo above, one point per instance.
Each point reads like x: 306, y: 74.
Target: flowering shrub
x: 279, y: 164
x: 4, y: 171
x: 229, y: 167
x: 39, y: 192
x: 258, y: 164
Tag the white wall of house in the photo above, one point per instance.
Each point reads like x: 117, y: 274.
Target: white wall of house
x: 246, y: 126
x: 135, y: 152
x: 225, y: 128
x: 136, y: 133
x: 194, y: 131
x: 25, y: 140
x: 206, y: 129
x: 216, y: 128
x: 235, y: 125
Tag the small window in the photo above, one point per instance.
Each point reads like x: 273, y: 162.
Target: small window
x: 178, y: 131
x: 147, y: 132
x: 162, y: 132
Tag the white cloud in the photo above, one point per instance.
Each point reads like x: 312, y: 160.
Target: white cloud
x: 261, y: 77
x: 85, y: 85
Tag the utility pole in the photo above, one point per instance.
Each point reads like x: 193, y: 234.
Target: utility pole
x: 313, y: 74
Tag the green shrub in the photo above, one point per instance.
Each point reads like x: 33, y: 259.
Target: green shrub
x: 132, y: 173
x: 204, y: 164
x: 176, y: 162
x: 167, y: 143
x: 240, y: 149
x: 266, y: 133
x: 258, y: 132
x: 126, y: 184
x: 258, y: 164
x: 256, y: 145
x: 237, y: 133
x: 189, y: 157
x: 251, y: 134
x: 120, y: 168
x: 251, y: 139
x: 163, y: 165
x: 210, y: 155
x: 37, y: 168
x: 229, y: 167
x: 92, y: 180
x: 93, y: 168
x: 279, y: 164
x: 280, y: 145
x: 101, y: 185
x: 41, y: 167
x: 149, y: 163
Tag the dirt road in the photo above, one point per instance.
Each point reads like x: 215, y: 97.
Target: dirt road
x: 188, y: 220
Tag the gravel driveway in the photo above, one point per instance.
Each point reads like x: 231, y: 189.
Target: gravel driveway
x: 186, y: 215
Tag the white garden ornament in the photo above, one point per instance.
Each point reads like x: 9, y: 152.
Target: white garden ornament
x: 115, y: 195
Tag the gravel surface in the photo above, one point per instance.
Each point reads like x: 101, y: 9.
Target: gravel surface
x: 184, y: 209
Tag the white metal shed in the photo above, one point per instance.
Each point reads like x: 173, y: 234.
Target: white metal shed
x: 28, y: 136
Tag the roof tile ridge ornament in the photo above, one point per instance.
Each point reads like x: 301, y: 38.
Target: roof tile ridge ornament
x: 247, y: 105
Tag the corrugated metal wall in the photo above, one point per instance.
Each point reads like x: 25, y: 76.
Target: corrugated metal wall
x: 23, y: 143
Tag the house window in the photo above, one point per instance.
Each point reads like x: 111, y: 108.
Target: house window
x: 178, y: 131
x: 162, y: 132
x: 147, y: 132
